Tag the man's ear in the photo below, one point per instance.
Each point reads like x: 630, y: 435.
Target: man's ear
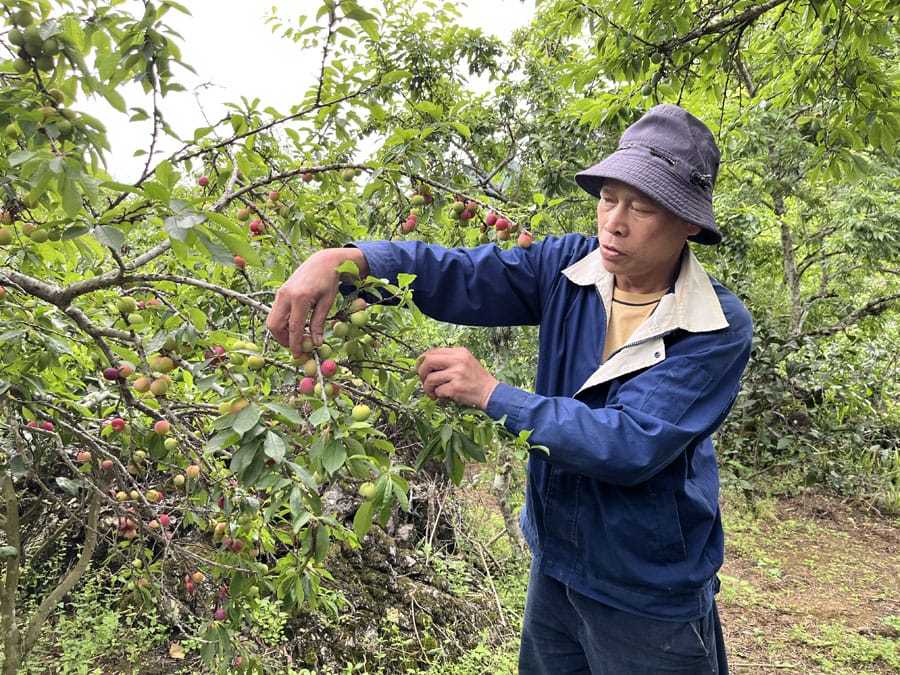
x: 690, y: 228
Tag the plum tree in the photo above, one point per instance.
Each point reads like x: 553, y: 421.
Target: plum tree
x: 128, y: 302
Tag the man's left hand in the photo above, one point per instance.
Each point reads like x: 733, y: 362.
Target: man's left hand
x: 454, y: 373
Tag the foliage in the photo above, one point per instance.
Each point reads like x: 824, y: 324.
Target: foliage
x: 208, y: 487
x: 96, y: 635
x: 125, y: 305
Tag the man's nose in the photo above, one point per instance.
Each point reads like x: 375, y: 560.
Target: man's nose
x: 616, y: 222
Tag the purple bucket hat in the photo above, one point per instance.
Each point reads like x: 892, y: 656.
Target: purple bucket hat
x: 670, y: 156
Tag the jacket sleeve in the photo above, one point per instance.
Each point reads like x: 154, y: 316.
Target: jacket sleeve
x: 481, y: 286
x: 652, y: 418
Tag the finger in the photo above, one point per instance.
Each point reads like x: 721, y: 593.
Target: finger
x: 445, y: 391
x: 277, y: 321
x: 320, y: 313
x: 297, y: 324
x: 435, y: 380
x: 435, y: 359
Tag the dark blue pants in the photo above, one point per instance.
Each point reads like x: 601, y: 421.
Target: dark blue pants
x: 566, y: 632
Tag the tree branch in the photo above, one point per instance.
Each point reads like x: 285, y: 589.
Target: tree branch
x: 281, y: 120
x: 873, y: 308
x: 49, y: 603
x: 814, y: 258
x: 221, y: 290
x: 725, y: 25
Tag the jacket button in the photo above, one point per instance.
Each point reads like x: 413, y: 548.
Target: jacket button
x: 655, y: 355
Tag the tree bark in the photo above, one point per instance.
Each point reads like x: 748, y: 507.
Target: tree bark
x: 49, y: 604
x: 501, y: 490
x: 791, y: 277
x: 11, y: 654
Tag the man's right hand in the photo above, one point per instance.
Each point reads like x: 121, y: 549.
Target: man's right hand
x: 311, y: 288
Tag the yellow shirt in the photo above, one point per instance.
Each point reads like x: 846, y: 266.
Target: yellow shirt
x: 628, y: 311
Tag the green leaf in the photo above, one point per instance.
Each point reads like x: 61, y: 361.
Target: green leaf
x: 114, y: 98
x: 454, y: 465
x: 274, y: 446
x: 354, y: 11
x: 304, y: 475
x: 430, y: 108
x: 463, y: 130
x: 288, y: 413
x: 400, y: 488
x: 19, y: 157
x: 334, y: 456
x: 246, y: 419
x: 320, y: 416
x: 348, y: 267
x: 395, y: 76
x: 8, y: 552
x: 175, y: 5
x: 323, y: 543
x: 109, y: 236
x: 362, y: 521
x: 166, y: 174
x: 197, y: 317
x: 243, y: 457
x: 156, y: 191
x: 470, y: 449
x: 298, y: 510
x: 221, y: 440
x: 200, y: 132
x: 118, y: 187
x: 426, y: 452
x: 71, y: 196
x: 446, y: 435
x: 404, y: 279
x: 183, y: 218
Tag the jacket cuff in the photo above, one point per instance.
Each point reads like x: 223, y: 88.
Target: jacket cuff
x: 507, y: 400
x: 381, y: 257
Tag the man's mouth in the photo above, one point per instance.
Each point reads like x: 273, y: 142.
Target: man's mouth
x: 610, y: 250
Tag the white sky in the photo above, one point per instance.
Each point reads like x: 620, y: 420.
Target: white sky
x: 235, y: 54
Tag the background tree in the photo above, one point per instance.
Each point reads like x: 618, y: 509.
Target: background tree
x: 146, y: 414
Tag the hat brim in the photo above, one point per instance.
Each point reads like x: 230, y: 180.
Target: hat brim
x: 663, y: 186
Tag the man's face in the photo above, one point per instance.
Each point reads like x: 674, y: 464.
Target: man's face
x: 639, y: 239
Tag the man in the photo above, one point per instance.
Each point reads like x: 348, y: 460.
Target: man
x: 640, y: 360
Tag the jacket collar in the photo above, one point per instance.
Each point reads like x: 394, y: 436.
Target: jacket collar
x: 693, y: 307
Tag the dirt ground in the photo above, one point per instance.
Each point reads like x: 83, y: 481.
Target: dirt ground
x: 810, y: 585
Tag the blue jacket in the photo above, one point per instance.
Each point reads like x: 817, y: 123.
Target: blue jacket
x: 624, y: 509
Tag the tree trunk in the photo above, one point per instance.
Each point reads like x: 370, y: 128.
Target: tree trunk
x: 791, y: 276
x: 501, y: 490
x: 11, y: 655
x: 42, y: 613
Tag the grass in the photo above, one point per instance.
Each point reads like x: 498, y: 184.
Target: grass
x: 96, y: 636
x: 839, y: 649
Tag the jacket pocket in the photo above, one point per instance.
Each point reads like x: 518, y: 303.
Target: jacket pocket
x: 562, y: 503
x: 645, y: 525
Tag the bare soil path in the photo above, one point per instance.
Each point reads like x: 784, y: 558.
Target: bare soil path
x: 810, y: 585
